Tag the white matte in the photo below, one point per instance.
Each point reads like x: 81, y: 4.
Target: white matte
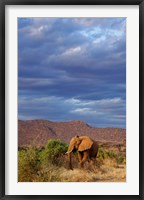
x: 131, y: 186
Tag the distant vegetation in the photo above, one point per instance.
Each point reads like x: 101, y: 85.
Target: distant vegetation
x: 49, y: 164
x: 103, y: 154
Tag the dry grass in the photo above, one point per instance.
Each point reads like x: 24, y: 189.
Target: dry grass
x: 48, y: 166
x: 106, y: 171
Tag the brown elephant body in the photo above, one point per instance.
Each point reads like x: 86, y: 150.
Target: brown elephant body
x: 87, y: 149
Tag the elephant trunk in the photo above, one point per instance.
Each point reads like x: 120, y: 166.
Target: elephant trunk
x: 70, y: 149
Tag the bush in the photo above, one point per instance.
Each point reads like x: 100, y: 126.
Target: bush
x: 28, y: 164
x: 121, y: 160
x: 52, y: 151
x: 111, y: 154
x: 103, y: 154
x: 37, y: 164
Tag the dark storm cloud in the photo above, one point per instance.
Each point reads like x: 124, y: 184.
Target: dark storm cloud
x: 73, y: 68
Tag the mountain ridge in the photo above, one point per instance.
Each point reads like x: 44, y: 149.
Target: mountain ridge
x: 38, y: 132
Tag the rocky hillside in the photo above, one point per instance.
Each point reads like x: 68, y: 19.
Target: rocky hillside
x: 37, y: 132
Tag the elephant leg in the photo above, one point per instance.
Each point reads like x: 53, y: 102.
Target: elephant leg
x: 92, y: 162
x: 69, y: 160
x: 80, y: 156
x: 85, y: 157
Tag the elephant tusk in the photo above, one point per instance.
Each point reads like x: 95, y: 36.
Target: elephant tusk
x: 68, y: 152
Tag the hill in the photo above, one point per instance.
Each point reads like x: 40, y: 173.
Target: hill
x: 37, y: 132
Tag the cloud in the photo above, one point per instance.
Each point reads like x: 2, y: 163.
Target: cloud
x: 71, y: 51
x: 84, y: 111
x: 60, y: 109
x: 79, y: 63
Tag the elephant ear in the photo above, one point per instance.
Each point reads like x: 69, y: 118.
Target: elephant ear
x: 85, y: 144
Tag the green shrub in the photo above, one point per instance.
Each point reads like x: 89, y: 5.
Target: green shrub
x: 52, y: 151
x: 37, y: 164
x: 28, y: 164
x: 103, y: 154
x: 111, y: 154
x: 121, y: 159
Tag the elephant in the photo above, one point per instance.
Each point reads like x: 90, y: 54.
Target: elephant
x: 86, y: 147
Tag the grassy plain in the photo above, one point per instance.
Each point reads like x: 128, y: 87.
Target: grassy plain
x: 49, y: 164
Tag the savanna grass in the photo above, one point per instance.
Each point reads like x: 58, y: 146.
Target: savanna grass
x: 47, y: 164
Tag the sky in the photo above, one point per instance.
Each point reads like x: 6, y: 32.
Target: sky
x: 72, y: 69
